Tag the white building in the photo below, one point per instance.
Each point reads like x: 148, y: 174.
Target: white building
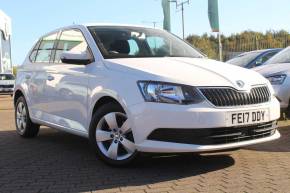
x: 5, y: 43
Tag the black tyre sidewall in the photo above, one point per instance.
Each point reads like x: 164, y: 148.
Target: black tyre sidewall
x: 103, y: 110
x: 31, y: 129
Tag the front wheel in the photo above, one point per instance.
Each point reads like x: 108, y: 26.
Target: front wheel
x: 111, y: 135
x: 24, y: 126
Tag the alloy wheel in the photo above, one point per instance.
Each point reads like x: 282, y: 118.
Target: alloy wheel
x: 21, y: 117
x: 114, y: 136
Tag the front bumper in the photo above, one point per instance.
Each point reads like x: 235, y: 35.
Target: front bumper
x: 283, y: 94
x: 148, y: 117
x: 8, y: 91
x: 167, y: 147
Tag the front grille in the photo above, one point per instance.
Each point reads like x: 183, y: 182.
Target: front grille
x: 214, y: 136
x: 7, y: 86
x: 226, y: 97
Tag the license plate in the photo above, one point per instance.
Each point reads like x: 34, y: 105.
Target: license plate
x: 247, y: 117
x: 4, y: 89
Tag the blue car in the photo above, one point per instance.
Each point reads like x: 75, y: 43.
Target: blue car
x: 254, y: 58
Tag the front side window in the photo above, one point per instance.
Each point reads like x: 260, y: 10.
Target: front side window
x: 44, y: 51
x: 34, y: 52
x: 70, y: 40
x: 134, y: 42
x: 268, y: 56
x: 264, y: 59
x: 244, y: 59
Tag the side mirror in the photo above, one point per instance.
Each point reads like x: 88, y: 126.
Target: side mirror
x: 81, y: 58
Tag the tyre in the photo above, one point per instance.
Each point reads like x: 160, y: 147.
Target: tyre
x: 24, y: 126
x: 111, y: 135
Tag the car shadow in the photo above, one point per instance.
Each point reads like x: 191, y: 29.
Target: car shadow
x: 59, y: 162
x: 280, y: 145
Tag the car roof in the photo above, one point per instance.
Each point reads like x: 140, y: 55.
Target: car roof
x: 115, y: 25
x: 104, y: 25
x: 259, y: 52
x: 98, y: 24
x: 262, y: 51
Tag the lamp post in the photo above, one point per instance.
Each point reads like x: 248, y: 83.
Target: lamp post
x: 152, y: 22
x: 181, y: 5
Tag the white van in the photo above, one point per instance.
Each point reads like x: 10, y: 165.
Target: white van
x: 7, y: 82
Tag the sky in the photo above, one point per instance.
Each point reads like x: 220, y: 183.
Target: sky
x: 34, y: 18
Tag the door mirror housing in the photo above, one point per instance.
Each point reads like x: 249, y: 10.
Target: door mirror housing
x: 80, y: 58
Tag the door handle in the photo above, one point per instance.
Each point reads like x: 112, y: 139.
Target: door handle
x: 50, y: 78
x: 27, y: 76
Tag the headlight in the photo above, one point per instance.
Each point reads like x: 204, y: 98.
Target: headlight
x: 160, y: 92
x: 277, y: 79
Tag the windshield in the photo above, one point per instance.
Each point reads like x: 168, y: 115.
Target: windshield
x: 281, y: 57
x: 6, y: 77
x: 136, y: 42
x: 244, y: 59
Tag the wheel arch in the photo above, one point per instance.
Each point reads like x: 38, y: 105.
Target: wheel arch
x: 105, y: 100
x: 17, y: 94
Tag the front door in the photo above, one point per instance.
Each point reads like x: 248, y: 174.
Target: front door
x: 68, y: 84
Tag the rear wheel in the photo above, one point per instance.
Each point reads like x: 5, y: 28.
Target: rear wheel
x: 111, y: 135
x: 24, y: 126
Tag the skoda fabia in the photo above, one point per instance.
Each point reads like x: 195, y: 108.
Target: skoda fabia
x: 132, y: 89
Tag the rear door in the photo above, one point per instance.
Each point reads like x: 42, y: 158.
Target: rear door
x: 68, y: 84
x: 36, y: 76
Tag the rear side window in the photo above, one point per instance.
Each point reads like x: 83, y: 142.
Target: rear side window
x: 70, y: 40
x: 44, y: 51
x: 34, y: 52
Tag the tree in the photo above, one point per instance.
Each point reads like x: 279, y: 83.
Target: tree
x: 240, y: 42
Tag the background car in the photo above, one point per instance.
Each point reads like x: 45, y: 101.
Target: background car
x: 277, y: 71
x: 254, y: 58
x: 7, y: 82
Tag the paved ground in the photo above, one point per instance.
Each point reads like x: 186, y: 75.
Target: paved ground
x: 60, y: 162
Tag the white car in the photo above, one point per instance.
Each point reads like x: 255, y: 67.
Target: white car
x: 131, y: 89
x: 7, y: 84
x: 277, y: 71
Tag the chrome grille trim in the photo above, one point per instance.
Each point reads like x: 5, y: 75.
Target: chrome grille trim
x: 7, y: 86
x: 228, y: 97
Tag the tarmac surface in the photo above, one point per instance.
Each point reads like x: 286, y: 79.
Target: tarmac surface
x: 59, y: 162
